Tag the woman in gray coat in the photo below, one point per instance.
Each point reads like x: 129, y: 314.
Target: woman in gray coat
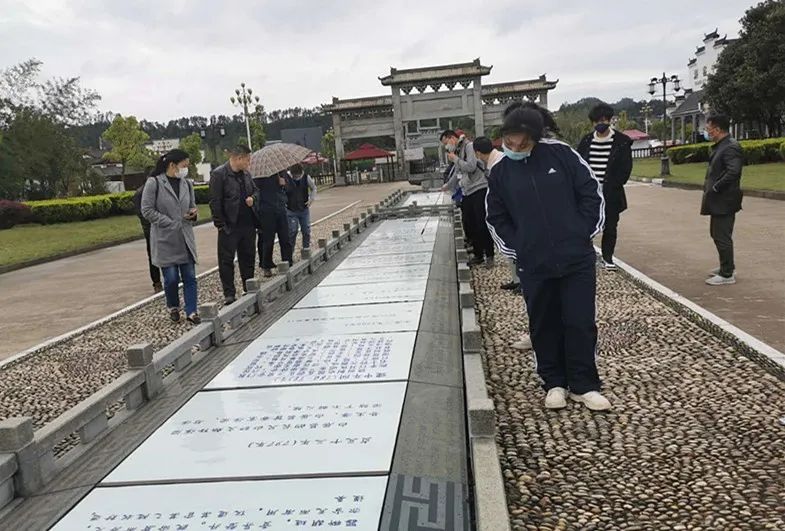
x: 169, y: 204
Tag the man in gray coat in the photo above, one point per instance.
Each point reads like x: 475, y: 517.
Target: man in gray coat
x: 722, y: 195
x: 469, y: 174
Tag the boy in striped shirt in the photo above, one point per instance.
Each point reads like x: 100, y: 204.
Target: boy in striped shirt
x: 609, y: 154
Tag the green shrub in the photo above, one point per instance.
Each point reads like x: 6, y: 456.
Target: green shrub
x: 13, y: 213
x: 202, y: 194
x: 754, y: 151
x: 782, y: 151
x: 122, y: 204
x: 71, y: 209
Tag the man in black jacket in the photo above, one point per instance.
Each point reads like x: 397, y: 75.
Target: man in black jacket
x: 271, y: 202
x: 544, y: 206
x: 722, y: 195
x: 155, y: 273
x: 609, y: 154
x: 231, y: 203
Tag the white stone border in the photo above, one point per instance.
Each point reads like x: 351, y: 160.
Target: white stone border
x: 68, y: 335
x: 739, y: 335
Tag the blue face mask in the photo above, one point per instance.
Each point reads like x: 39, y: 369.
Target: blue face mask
x: 516, y: 155
x: 707, y: 136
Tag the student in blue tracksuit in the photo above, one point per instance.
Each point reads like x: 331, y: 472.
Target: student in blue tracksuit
x: 544, y: 206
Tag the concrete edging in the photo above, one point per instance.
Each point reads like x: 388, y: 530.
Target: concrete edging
x: 490, y: 500
x: 765, y: 355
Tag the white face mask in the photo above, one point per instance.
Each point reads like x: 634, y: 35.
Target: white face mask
x: 182, y: 173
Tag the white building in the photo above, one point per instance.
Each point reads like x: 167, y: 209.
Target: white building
x: 705, y: 60
x: 159, y: 147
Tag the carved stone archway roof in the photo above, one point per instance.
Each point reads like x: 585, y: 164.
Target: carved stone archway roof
x: 436, y: 75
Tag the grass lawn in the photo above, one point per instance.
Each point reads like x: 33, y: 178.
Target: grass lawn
x: 25, y: 243
x: 754, y: 177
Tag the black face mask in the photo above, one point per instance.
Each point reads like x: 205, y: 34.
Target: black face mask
x: 602, y: 128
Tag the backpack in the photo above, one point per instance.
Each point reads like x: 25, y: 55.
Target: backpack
x: 138, y: 202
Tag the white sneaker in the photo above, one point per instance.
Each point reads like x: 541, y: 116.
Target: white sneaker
x: 608, y: 266
x: 716, y: 271
x: 592, y: 400
x: 718, y: 280
x: 525, y: 343
x: 556, y: 398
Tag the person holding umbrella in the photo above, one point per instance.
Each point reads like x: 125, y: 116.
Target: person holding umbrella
x: 269, y: 168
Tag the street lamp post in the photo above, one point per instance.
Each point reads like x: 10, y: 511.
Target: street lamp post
x: 245, y: 98
x: 664, y: 80
x: 210, y: 134
x: 646, y: 110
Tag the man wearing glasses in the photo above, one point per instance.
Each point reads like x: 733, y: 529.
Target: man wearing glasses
x: 544, y: 206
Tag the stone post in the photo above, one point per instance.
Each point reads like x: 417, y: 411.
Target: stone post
x: 140, y: 357
x: 479, y: 119
x: 403, y: 175
x: 209, y: 314
x: 17, y: 437
x: 283, y: 269
x: 340, y: 175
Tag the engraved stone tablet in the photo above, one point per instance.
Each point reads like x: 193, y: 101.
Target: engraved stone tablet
x: 365, y: 262
x: 364, y: 294
x: 281, y: 505
x: 365, y: 319
x: 316, y: 430
x: 425, y: 199
x: 322, y: 359
x: 382, y: 274
x: 377, y: 247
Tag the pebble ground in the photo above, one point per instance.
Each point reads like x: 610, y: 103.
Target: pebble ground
x: 694, y: 441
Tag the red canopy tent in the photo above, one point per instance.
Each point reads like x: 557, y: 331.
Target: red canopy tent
x: 315, y: 158
x: 369, y: 151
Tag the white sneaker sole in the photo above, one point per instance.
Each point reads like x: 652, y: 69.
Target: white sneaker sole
x: 556, y: 405
x: 729, y: 282
x: 580, y: 400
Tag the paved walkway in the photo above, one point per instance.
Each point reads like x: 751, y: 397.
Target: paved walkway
x: 663, y: 236
x: 48, y: 300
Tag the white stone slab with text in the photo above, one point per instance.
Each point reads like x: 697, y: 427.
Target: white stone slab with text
x: 383, y: 274
x: 372, y: 262
x: 280, y: 505
x: 321, y: 359
x: 363, y: 319
x: 386, y: 292
x: 325, y: 430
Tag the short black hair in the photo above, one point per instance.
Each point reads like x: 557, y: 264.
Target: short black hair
x: 448, y: 133
x: 240, y: 150
x: 551, y: 127
x: 297, y: 169
x: 721, y: 121
x: 483, y: 144
x: 602, y: 111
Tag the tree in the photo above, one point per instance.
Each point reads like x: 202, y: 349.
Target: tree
x: 660, y: 130
x: 258, y: 136
x: 573, y: 124
x: 38, y: 159
x: 328, y: 144
x: 623, y: 122
x: 127, y: 140
x: 192, y: 144
x: 749, y: 81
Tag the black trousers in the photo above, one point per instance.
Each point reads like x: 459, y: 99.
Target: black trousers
x: 610, y: 233
x: 155, y: 273
x: 239, y: 241
x: 274, y: 224
x: 563, y: 329
x: 721, y: 228
x: 475, y: 225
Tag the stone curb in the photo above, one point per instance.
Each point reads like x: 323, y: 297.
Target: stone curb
x: 490, y: 501
x: 27, y: 458
x: 665, y: 183
x: 769, y: 358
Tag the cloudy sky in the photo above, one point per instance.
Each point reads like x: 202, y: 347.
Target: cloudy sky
x: 162, y: 59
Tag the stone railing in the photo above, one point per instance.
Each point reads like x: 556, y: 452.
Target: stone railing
x: 30, y: 459
x: 490, y: 502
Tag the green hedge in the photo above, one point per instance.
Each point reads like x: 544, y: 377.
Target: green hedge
x: 93, y: 207
x: 71, y: 209
x: 754, y: 151
x: 202, y: 194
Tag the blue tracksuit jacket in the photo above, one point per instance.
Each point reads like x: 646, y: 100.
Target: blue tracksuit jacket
x: 544, y: 211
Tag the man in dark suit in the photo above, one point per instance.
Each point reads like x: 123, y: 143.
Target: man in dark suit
x: 722, y: 195
x: 231, y: 203
x: 609, y: 154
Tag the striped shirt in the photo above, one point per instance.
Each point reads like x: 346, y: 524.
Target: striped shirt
x: 599, y: 153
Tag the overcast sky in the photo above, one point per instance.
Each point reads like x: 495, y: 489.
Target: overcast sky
x: 162, y: 59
